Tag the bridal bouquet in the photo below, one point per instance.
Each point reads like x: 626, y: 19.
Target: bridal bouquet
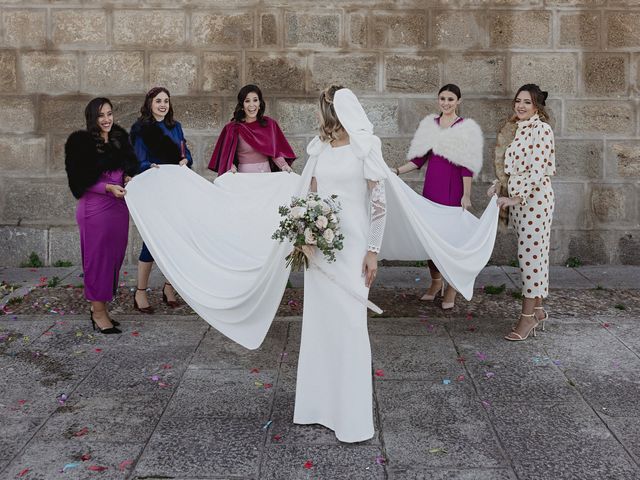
x: 310, y: 221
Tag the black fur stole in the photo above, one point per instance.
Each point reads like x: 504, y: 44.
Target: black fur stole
x: 161, y: 147
x: 87, y: 157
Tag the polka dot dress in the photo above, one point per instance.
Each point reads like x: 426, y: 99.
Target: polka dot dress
x: 529, y: 162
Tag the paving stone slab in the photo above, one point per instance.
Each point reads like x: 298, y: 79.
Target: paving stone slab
x: 217, y: 351
x: 450, y: 474
x: 14, y: 434
x: 590, y: 347
x: 128, y: 371
x: 352, y: 461
x: 166, y: 332
x: 107, y: 418
x: 46, y: 460
x: 17, y: 335
x: 421, y: 418
x: 627, y: 431
x: 613, y: 393
x: 414, y: 358
x: 566, y: 440
x: 32, y: 276
x: 224, y: 393
x: 203, y: 447
x: 420, y: 326
x: 612, y: 276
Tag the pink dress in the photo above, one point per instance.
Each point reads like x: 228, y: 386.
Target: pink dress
x: 443, y: 179
x: 252, y: 161
x: 104, y: 229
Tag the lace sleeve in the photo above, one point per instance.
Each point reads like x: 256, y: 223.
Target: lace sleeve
x: 377, y: 215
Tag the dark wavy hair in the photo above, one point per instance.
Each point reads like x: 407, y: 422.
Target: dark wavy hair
x: 538, y: 97
x: 145, y: 111
x: 450, y: 87
x: 238, y: 113
x: 91, y: 115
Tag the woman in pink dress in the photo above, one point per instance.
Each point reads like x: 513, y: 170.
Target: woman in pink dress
x: 452, y: 149
x: 99, y: 161
x: 251, y: 142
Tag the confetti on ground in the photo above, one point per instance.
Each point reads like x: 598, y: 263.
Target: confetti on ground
x: 461, y: 359
x: 438, y: 450
x: 135, y: 333
x: 446, y: 381
x: 24, y: 472
x: 606, y: 325
x: 380, y: 460
x: 277, y: 437
x: 283, y: 356
x: 82, y: 432
x: 292, y: 303
x: 481, y: 356
x: 85, y: 457
x: 69, y: 466
x: 308, y: 464
x: 460, y: 378
x: 98, y: 350
x: 155, y: 378
x: 62, y: 398
x: 166, y: 366
x: 162, y: 384
x: 255, y: 370
x: 267, y: 425
x: 471, y: 328
x: 258, y: 384
x: 486, y: 403
x: 489, y: 374
x: 268, y: 385
x: 97, y: 468
x: 469, y: 316
x: 124, y: 464
x: 379, y: 373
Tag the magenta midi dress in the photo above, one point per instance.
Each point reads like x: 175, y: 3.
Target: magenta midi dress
x: 443, y: 179
x: 104, y: 229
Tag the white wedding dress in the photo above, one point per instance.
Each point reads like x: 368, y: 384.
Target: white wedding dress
x: 334, y: 385
x: 213, y: 243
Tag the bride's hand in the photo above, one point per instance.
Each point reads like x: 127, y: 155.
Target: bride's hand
x: 370, y: 268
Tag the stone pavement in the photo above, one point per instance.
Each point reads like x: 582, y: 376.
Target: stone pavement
x: 172, y: 398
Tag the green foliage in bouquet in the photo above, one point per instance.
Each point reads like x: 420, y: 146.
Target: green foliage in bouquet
x: 311, y: 221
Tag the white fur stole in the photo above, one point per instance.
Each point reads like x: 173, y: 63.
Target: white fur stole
x: 461, y: 144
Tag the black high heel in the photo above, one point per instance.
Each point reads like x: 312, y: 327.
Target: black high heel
x: 171, y: 303
x: 106, y: 331
x: 115, y: 323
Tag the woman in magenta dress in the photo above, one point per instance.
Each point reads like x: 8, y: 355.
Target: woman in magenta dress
x: 452, y: 149
x: 99, y: 161
x: 251, y: 142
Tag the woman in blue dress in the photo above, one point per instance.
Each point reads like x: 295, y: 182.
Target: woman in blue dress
x: 157, y: 139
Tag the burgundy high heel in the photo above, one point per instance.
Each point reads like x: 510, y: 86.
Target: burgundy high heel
x: 148, y: 309
x: 170, y: 303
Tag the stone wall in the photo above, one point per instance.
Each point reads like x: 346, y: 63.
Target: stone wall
x: 55, y: 55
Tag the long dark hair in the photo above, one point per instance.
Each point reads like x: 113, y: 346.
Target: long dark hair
x: 91, y: 115
x: 145, y: 111
x: 238, y: 113
x: 538, y: 97
x: 450, y: 87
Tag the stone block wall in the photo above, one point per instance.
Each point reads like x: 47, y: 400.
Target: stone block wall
x: 55, y: 55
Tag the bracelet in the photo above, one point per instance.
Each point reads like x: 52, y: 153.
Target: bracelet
x: 397, y: 171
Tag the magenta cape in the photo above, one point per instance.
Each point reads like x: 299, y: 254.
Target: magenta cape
x: 268, y: 140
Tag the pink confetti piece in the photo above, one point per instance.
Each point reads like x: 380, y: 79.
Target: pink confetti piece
x: 380, y: 460
x: 469, y: 316
x: 124, y: 464
x: 98, y: 350
x: 471, y: 328
x: 606, y: 325
x: 255, y: 370
x: 97, y: 468
x: 277, y: 437
x: 460, y: 378
x: 23, y: 472
x: 308, y: 464
x: 486, y: 403
x: 166, y: 366
x: 135, y: 333
x: 481, y: 356
x: 162, y: 384
x: 268, y: 385
x: 489, y: 374
x: 85, y: 457
x: 292, y: 303
x: 81, y: 432
x: 155, y: 378
x: 379, y: 373
x: 461, y: 359
x: 62, y: 398
x: 22, y: 402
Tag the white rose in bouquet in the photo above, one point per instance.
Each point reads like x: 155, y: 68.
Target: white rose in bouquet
x: 328, y: 235
x: 325, y: 208
x: 312, y: 204
x: 322, y: 222
x: 309, y: 237
x: 298, y: 212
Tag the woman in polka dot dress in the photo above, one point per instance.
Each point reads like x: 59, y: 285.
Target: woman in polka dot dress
x: 529, y: 161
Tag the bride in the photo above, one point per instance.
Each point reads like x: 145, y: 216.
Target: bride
x: 219, y: 256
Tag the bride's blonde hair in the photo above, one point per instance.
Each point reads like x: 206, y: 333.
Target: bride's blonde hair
x: 330, y: 126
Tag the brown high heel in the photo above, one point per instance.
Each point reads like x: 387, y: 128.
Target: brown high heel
x: 148, y: 309
x: 516, y: 337
x: 171, y: 303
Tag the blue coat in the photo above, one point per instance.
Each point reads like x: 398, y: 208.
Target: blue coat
x: 154, y: 142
